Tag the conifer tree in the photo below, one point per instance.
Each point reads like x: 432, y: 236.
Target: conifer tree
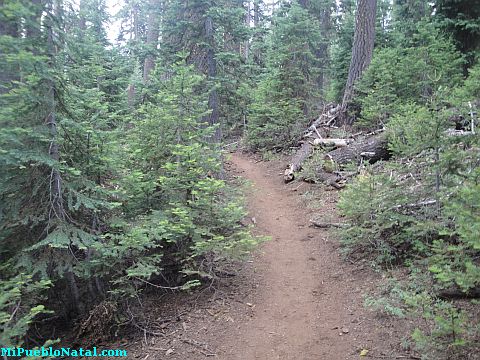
x: 362, y: 48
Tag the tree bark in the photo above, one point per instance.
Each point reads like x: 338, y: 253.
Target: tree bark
x: 303, y: 3
x: 131, y: 90
x: 82, y: 20
x: 372, y: 149
x: 321, y: 52
x: 362, y: 50
x: 301, y: 155
x: 334, y: 142
x: 131, y: 93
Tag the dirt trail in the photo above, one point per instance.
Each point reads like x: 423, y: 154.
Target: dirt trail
x: 303, y: 308
x: 296, y: 300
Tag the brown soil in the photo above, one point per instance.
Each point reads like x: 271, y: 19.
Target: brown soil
x: 297, y: 298
x: 303, y: 303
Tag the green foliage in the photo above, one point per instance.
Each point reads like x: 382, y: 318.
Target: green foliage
x: 442, y: 330
x: 425, y: 63
x: 19, y: 306
x: 311, y: 165
x: 274, y: 124
x: 177, y: 211
x: 422, y: 208
x: 132, y: 197
x: 234, y: 66
x: 385, y: 225
x: 341, y: 50
x: 110, y: 183
x: 461, y: 19
x: 285, y: 96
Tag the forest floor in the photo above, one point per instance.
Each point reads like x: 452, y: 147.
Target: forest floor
x: 297, y: 298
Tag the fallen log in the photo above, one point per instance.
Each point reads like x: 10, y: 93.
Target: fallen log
x: 454, y: 132
x: 302, y: 154
x: 326, y: 178
x: 322, y: 225
x: 335, y: 142
x: 456, y: 293
x: 372, y: 149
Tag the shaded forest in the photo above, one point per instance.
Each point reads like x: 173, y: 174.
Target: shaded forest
x: 112, y: 152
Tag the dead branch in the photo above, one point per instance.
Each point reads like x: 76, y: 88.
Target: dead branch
x: 335, y: 142
x: 322, y: 225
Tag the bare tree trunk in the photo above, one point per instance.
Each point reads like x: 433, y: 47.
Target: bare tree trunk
x: 322, y: 51
x: 131, y: 95
x: 362, y: 49
x: 256, y: 34
x: 153, y: 30
x: 136, y: 24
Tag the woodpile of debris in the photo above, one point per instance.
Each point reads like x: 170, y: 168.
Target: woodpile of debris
x: 357, y: 148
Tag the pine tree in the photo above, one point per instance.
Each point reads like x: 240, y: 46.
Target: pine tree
x: 460, y: 18
x: 287, y: 93
x: 362, y: 48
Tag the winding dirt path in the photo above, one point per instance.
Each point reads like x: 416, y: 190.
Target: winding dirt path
x: 295, y: 300
x: 303, y: 308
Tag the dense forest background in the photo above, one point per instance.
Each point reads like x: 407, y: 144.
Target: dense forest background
x: 111, y: 154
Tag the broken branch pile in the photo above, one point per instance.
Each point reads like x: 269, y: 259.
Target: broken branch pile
x: 360, y: 147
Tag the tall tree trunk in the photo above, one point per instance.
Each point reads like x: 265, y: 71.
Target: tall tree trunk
x: 321, y: 52
x: 131, y: 93
x: 362, y: 49
x: 153, y: 31
x: 256, y: 31
x: 32, y: 24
